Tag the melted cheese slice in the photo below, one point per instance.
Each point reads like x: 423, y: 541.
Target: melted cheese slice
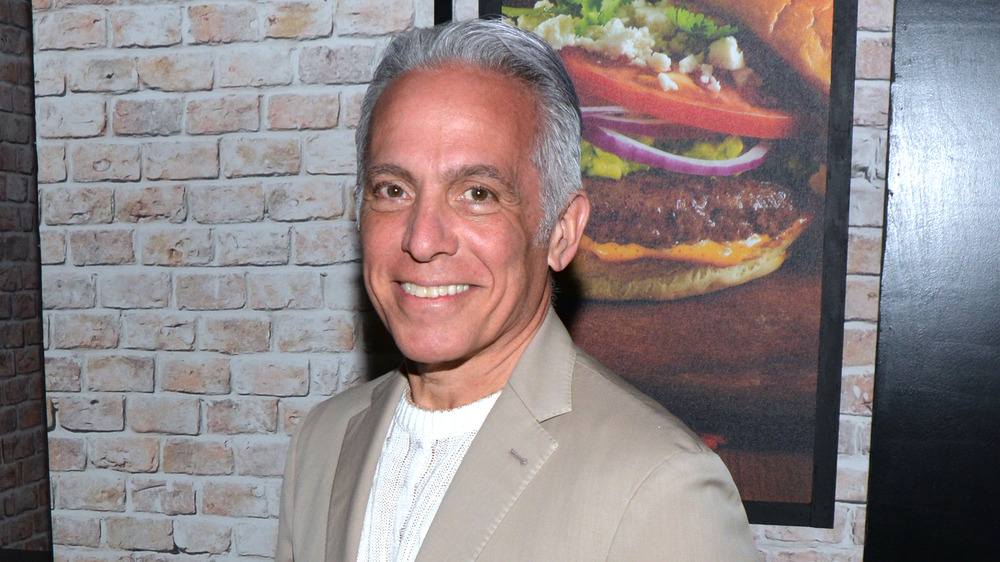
x: 708, y: 252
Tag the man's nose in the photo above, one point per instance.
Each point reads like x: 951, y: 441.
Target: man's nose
x: 430, y: 232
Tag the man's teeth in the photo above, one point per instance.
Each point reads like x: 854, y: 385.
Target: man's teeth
x: 433, y: 292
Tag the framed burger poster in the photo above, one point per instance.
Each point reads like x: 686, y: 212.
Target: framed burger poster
x: 716, y: 156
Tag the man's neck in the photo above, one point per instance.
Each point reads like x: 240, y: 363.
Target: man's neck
x: 445, y: 387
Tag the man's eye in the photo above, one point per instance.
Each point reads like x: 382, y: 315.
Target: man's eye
x: 391, y: 191
x: 478, y: 194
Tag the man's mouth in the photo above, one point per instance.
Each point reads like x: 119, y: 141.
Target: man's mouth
x: 422, y: 292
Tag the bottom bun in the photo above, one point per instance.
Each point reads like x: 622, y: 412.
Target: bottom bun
x: 661, y: 279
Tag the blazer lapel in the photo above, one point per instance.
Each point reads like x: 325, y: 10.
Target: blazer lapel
x: 355, y: 469
x: 508, y: 450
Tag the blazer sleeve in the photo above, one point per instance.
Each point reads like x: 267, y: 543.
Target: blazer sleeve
x: 287, y: 506
x: 687, y: 509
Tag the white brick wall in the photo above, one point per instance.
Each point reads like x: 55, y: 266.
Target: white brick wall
x: 200, y: 277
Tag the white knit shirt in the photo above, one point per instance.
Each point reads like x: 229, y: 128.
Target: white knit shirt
x: 419, y: 458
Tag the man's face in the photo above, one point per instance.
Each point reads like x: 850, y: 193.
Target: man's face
x: 449, y: 215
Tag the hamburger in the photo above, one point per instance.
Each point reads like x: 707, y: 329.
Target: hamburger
x: 702, y: 156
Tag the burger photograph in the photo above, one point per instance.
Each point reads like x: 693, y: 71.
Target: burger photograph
x: 700, y: 275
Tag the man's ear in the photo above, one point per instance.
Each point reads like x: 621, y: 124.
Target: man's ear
x: 568, y: 230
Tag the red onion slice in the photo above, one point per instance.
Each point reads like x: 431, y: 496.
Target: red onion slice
x: 631, y: 149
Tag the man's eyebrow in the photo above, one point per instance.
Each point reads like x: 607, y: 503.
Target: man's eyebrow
x: 482, y: 170
x: 390, y: 170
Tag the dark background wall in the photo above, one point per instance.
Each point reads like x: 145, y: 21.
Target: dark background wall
x: 24, y: 484
x: 934, y: 483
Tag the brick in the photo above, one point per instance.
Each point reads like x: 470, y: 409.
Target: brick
x: 104, y: 74
x: 96, y: 492
x: 176, y: 246
x: 101, y: 247
x: 341, y: 64
x: 868, y: 153
x: 88, y: 330
x: 852, y: 479
x: 147, y: 117
x: 856, y: 394
x: 875, y: 15
x: 202, y: 536
x: 182, y: 72
x: 211, y: 291
x: 351, y: 107
x: 360, y: 17
x: 67, y: 454
x: 174, y: 415
x: 874, y: 56
x: 867, y: 204
x: 329, y: 332
x: 125, y: 454
x: 134, y: 290
x: 188, y: 456
x: 68, y: 530
x: 274, y: 376
x: 324, y: 375
x: 51, y: 163
x: 133, y: 533
x: 223, y: 114
x: 256, y: 457
x: 50, y: 75
x: 151, y: 203
x: 303, y: 111
x: 236, y: 499
x: 254, y: 67
x: 156, y: 495
x: 70, y: 117
x: 864, y: 250
x: 859, y: 343
x: 235, y: 334
x: 302, y: 199
x: 298, y: 20
x: 258, y: 538
x: 246, y: 415
x: 222, y: 23
x: 195, y: 375
x: 331, y: 152
x: 325, y: 243
x: 252, y: 246
x: 286, y: 290
x: 259, y: 156
x: 148, y: 26
x: 105, y: 162
x: 91, y: 413
x: 855, y: 435
x: 182, y: 160
x: 812, y: 535
x: 53, y: 247
x: 62, y: 374
x: 89, y: 205
x: 861, y: 302
x: 871, y: 103
x: 227, y: 203
x: 68, y: 290
x: 157, y: 331
x: 76, y: 29
x: 120, y: 373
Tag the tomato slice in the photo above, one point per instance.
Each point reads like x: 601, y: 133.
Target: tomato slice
x: 635, y: 89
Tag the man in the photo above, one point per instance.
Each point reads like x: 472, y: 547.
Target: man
x: 497, y: 439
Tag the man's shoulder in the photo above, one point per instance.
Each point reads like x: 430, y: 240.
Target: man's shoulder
x: 617, y: 413
x: 338, y: 410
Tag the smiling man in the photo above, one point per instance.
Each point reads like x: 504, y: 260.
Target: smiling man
x: 497, y: 439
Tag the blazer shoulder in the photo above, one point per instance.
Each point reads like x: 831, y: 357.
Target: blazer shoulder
x: 619, y: 409
x: 337, y: 410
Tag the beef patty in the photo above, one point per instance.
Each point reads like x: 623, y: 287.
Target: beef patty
x: 661, y: 210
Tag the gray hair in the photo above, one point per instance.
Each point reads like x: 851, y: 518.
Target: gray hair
x: 496, y: 46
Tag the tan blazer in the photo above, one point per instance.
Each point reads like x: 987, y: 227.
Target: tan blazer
x: 572, y: 463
